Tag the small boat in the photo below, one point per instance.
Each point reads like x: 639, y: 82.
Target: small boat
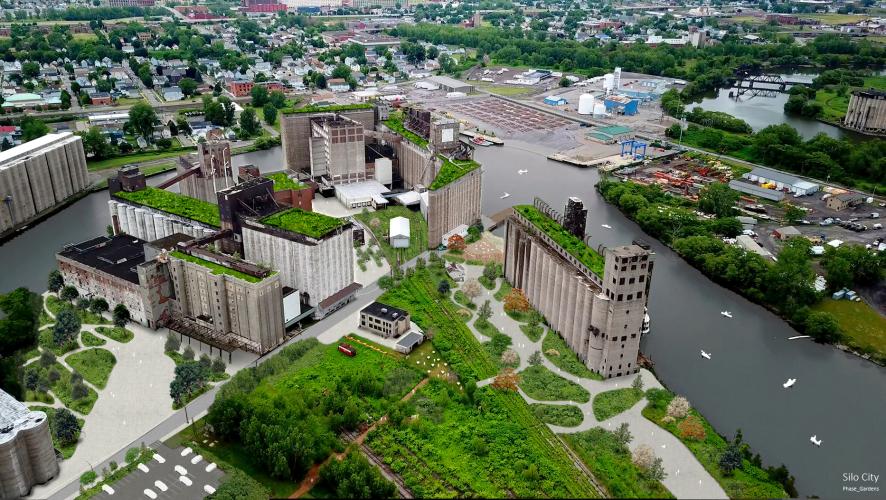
x: 705, y: 355
x: 726, y: 313
x: 814, y: 440
x: 799, y: 337
x: 521, y: 172
x: 645, y: 329
x: 505, y: 195
x: 789, y: 383
x: 481, y: 141
x: 607, y: 226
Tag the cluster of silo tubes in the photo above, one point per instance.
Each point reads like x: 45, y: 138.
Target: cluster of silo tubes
x: 149, y: 225
x: 27, y: 456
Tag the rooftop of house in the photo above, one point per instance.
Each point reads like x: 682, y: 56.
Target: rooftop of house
x: 384, y: 311
x: 118, y: 255
x: 299, y: 221
x: 174, y: 203
x: 566, y: 240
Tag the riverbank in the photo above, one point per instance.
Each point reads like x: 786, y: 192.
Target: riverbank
x: 698, y: 242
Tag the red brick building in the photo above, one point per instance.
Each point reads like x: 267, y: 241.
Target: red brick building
x: 240, y: 88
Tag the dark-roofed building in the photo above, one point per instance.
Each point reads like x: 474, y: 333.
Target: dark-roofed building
x: 107, y: 267
x: 382, y: 319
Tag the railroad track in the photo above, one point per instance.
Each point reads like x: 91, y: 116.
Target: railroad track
x: 386, y: 471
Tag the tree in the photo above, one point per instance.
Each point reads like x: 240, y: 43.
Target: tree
x: 66, y: 328
x: 456, y: 243
x: 67, y: 428
x: 189, y: 379
x: 510, y: 357
x: 47, y: 359
x: 33, y: 128
x: 490, y: 271
x: 623, y: 435
x: 238, y: 486
x: 678, y: 407
x: 643, y: 457
x: 485, y: 312
x: 173, y: 343
x: 218, y: 365
x: 259, y: 95
x: 188, y: 354
x: 565, y: 82
x: 98, y: 305
x: 838, y: 271
x: 32, y: 380
x: 471, y: 289
x: 69, y: 293
x: 228, y: 108
x: 637, y: 384
x: 79, y: 390
x: 188, y: 86
x: 420, y: 263
x: 355, y: 477
x: 270, y: 113
x: 535, y: 359
x: 516, y: 302
x: 141, y: 119
x: 386, y: 282
x: 717, y: 198
x: 96, y: 144
x: 82, y: 304
x: 443, y: 287
x: 66, y: 99
x: 55, y: 281
x: 731, y: 459
x: 249, y: 124
x: 121, y: 315
x: 822, y: 326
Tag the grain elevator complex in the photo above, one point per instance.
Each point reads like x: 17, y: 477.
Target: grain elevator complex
x: 596, y: 300
x: 38, y: 176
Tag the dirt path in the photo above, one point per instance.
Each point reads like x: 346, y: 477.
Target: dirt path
x: 313, y: 474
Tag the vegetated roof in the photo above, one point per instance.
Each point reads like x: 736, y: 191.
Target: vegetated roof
x: 300, y: 221
x: 395, y: 123
x: 216, y: 268
x: 326, y: 109
x: 174, y: 203
x: 283, y: 182
x: 568, y: 241
x: 451, y: 171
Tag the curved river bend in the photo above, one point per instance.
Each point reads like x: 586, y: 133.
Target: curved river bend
x: 839, y: 397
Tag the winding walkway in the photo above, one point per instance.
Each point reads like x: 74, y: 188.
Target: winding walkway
x: 686, y: 477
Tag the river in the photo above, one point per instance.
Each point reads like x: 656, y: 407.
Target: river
x: 838, y: 397
x: 760, y: 111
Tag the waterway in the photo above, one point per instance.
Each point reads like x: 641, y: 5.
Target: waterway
x: 762, y: 111
x: 838, y: 397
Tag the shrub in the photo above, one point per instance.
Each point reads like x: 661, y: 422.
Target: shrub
x: 188, y: 355
x: 88, y: 477
x: 132, y: 454
x: 691, y: 428
x: 218, y: 365
x: 173, y: 343
x: 643, y: 457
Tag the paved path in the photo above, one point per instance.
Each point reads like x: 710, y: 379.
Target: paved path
x: 686, y: 478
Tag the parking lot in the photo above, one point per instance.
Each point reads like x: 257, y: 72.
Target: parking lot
x: 180, y: 474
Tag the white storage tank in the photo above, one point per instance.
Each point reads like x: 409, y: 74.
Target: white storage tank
x: 586, y: 104
x: 599, y: 109
x: 608, y: 82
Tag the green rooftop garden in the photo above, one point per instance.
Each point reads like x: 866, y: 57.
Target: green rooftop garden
x: 216, y: 268
x: 451, y: 171
x: 325, y: 109
x: 307, y: 223
x: 395, y: 123
x: 572, y: 244
x: 283, y: 182
x: 174, y: 203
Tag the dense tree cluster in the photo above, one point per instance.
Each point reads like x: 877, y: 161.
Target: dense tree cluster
x: 18, y: 331
x: 355, y: 477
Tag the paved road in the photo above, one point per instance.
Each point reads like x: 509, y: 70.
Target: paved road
x: 200, y: 406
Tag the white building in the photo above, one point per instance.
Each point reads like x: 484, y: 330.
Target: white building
x: 399, y: 232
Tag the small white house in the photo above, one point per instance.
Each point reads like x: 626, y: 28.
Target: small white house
x: 398, y: 233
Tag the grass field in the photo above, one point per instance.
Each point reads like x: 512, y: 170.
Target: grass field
x: 505, y: 90
x: 833, y: 106
x: 418, y: 231
x: 555, y: 349
x: 544, y: 385
x: 94, y: 364
x: 121, y: 335
x: 562, y: 415
x: 863, y: 328
x: 610, y: 403
x: 610, y: 462
x: 831, y: 18
x: 90, y: 340
x: 119, y: 161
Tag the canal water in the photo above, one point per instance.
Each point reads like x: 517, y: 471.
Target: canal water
x: 761, y: 111
x: 838, y: 397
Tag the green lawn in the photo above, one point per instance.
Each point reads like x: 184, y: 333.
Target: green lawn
x: 610, y: 403
x: 119, y: 161
x: 555, y: 349
x: 747, y: 482
x: 94, y: 364
x: 217, y: 269
x: 833, y: 106
x: 175, y: 203
x: 90, y: 340
x: 611, y: 464
x: 533, y: 332
x: 296, y: 220
x: 562, y: 415
x: 158, y: 169
x: 568, y: 241
x: 505, y: 90
x: 418, y: 231
x: 503, y: 290
x: 122, y: 335
x: 54, y: 304
x: 68, y: 449
x: 832, y: 18
x: 544, y: 385
x: 46, y: 341
x: 863, y: 328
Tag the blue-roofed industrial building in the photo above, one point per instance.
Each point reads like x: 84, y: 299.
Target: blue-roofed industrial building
x: 621, y: 105
x: 554, y: 100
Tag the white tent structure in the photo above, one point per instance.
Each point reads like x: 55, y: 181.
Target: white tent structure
x: 398, y: 232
